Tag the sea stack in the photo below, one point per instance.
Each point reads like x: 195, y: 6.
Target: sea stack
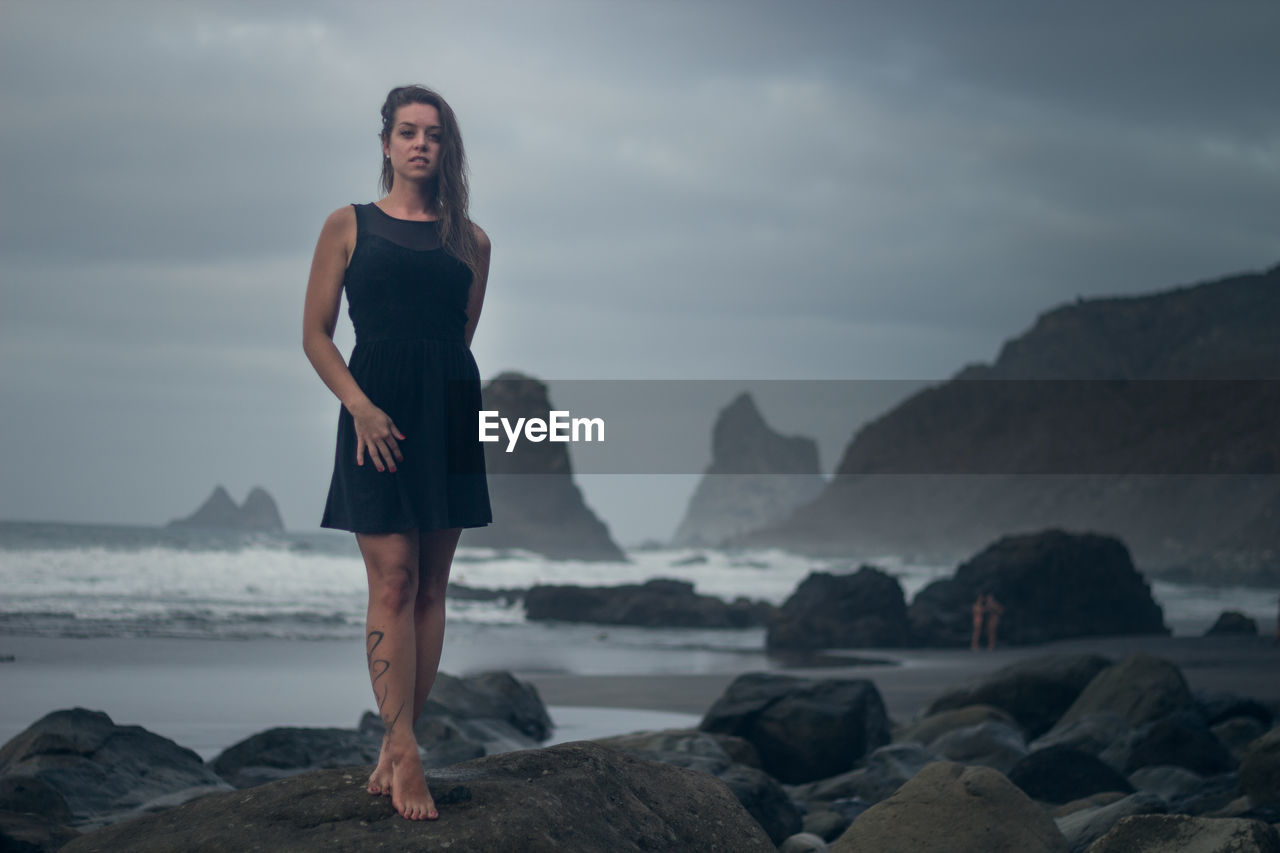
x: 756, y: 477
x: 220, y: 512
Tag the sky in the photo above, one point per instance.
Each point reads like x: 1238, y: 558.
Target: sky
x: 712, y: 190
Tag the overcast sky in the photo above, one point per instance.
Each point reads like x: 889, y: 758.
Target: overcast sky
x: 803, y: 190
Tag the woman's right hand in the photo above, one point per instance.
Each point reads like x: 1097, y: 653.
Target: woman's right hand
x: 377, y: 434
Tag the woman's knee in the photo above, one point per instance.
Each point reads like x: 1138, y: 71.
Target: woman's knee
x: 393, y: 587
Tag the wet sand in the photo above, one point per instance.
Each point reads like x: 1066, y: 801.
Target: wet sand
x: 208, y: 694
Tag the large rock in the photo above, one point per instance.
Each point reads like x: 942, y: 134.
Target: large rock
x: 929, y: 728
x: 1053, y: 585
x: 1260, y: 769
x: 536, y: 504
x: 101, y: 770
x: 285, y: 751
x: 856, y: 610
x: 1181, y: 740
x: 1061, y: 774
x: 948, y: 808
x: 656, y: 603
x: 1187, y: 792
x: 756, y: 476
x: 886, y: 770
x: 1168, y: 833
x: 760, y: 794
x: 219, y: 511
x: 990, y: 744
x: 803, y: 729
x: 1093, y: 733
x: 1086, y: 826
x: 490, y: 695
x: 1141, y: 689
x: 1036, y: 691
x: 1232, y: 622
x: 30, y: 833
x: 562, y: 799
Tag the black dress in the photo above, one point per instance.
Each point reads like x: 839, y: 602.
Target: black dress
x: 407, y: 298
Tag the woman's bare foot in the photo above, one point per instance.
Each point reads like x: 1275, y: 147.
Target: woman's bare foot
x: 380, y: 779
x: 409, y: 794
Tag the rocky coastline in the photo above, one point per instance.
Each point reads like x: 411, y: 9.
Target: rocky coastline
x: 1055, y: 752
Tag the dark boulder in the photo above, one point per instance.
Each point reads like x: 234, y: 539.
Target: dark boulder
x: 279, y: 752
x: 1053, y: 585
x: 1232, y: 622
x: 886, y: 770
x: 1141, y: 688
x: 23, y: 832
x: 803, y: 729
x: 100, y: 769
x: 1217, y: 706
x: 1260, y: 769
x: 1161, y: 833
x: 1061, y: 774
x: 572, y: 798
x: 859, y: 610
x: 657, y: 603
x: 1082, y: 828
x: 1181, y: 740
x: 948, y: 808
x: 760, y: 794
x: 1035, y: 691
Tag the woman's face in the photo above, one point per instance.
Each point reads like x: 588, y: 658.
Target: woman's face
x: 414, y: 145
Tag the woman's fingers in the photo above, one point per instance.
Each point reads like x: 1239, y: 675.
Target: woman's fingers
x: 359, y: 450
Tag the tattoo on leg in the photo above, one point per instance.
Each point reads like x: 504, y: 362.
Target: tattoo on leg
x: 377, y: 668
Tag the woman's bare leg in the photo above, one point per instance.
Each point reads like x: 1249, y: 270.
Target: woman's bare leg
x: 391, y: 561
x: 435, y: 559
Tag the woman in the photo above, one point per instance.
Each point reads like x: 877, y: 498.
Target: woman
x: 408, y: 470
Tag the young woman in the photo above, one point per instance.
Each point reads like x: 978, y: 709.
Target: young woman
x: 408, y: 473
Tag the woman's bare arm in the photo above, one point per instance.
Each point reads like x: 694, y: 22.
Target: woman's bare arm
x: 475, y: 298
x: 374, y: 430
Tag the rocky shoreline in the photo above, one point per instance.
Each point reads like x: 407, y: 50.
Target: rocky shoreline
x: 1055, y: 752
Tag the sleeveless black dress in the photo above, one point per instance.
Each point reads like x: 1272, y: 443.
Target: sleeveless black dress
x: 407, y: 298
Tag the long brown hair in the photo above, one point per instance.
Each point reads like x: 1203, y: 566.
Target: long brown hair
x: 456, y: 231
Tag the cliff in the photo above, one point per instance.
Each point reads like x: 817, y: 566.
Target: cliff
x: 1151, y: 418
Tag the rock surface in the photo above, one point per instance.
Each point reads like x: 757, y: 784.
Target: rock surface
x: 756, y: 477
x: 1168, y: 833
x: 562, y: 799
x: 219, y: 512
x: 1231, y: 622
x: 286, y: 751
x: 1260, y: 769
x: 761, y: 795
x: 803, y: 729
x: 656, y: 603
x: 536, y: 504
x: 99, y: 769
x: 948, y: 808
x: 1052, y: 584
x: 1061, y: 774
x: 1036, y: 691
x: 1086, y: 826
x: 1141, y: 689
x: 826, y: 611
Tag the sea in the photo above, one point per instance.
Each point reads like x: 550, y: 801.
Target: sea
x: 86, y: 581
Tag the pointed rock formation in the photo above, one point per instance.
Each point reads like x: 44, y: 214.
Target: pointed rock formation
x: 756, y: 477
x: 219, y: 512
x: 536, y: 504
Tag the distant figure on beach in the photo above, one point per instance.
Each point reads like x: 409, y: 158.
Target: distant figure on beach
x: 994, y: 611
x: 986, y: 611
x: 408, y: 472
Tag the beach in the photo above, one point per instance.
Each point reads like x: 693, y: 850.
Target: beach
x: 209, y: 694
